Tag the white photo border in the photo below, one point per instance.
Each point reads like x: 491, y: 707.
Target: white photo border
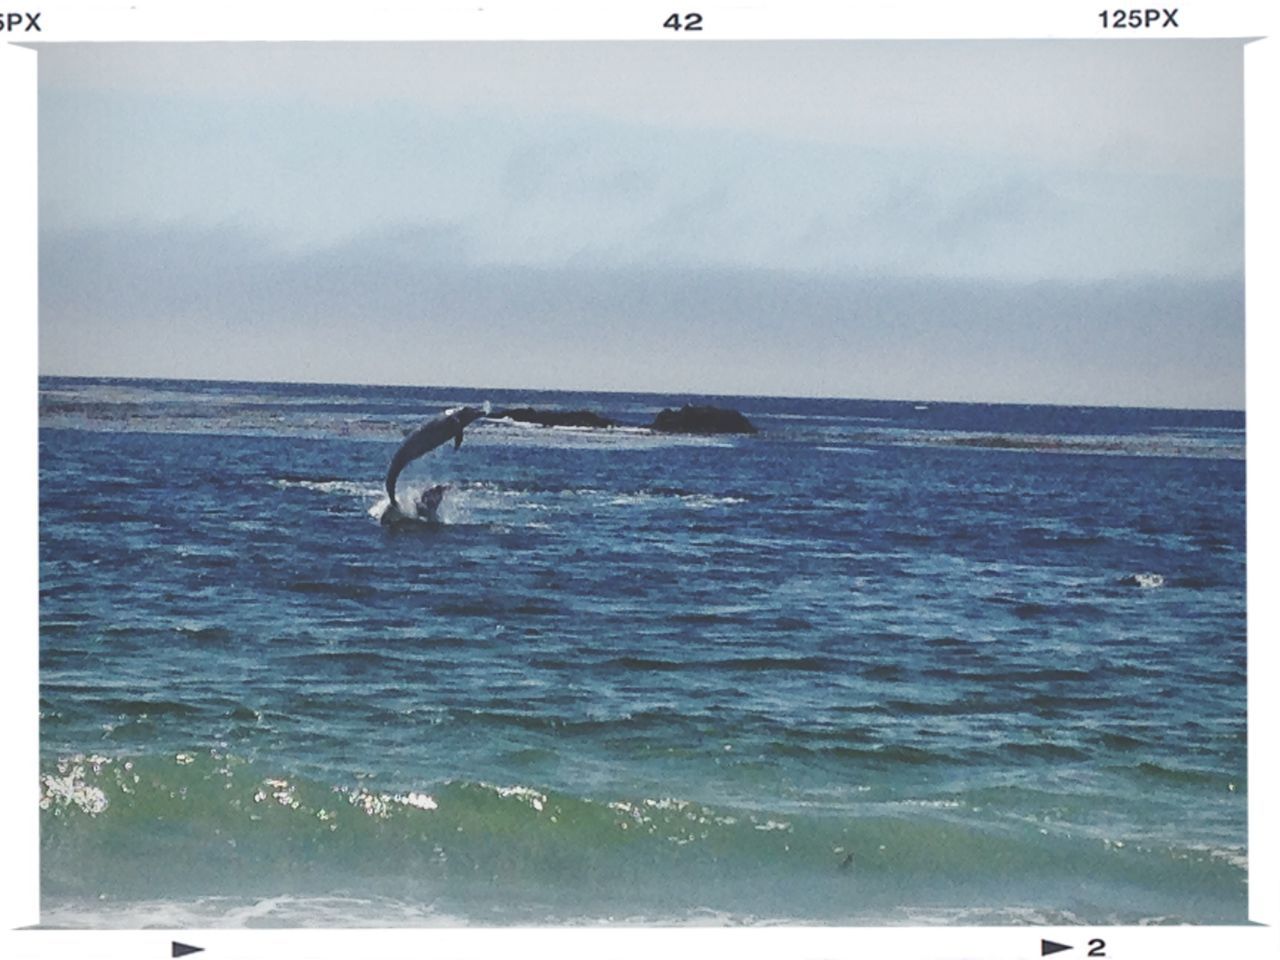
x: 543, y: 21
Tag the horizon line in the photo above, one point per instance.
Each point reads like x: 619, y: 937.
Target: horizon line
x: 656, y: 393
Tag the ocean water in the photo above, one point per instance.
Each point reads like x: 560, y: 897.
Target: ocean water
x: 882, y: 663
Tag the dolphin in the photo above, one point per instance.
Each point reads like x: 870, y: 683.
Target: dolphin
x: 426, y: 438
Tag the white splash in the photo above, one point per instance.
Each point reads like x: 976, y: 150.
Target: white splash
x: 281, y: 791
x: 343, y: 487
x: 529, y: 795
x: 420, y: 800
x: 71, y: 791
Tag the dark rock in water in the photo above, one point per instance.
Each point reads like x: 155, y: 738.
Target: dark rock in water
x: 557, y: 418
x: 694, y: 419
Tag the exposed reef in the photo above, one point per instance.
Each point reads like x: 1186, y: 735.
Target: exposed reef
x: 699, y: 419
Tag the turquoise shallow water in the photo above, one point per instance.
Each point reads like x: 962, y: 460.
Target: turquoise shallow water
x: 881, y: 663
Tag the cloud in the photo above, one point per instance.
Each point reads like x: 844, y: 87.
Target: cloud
x: 559, y: 191
x: 225, y: 305
x: 1067, y: 103
x: 958, y: 220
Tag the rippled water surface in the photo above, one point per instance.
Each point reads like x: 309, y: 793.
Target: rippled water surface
x: 880, y: 663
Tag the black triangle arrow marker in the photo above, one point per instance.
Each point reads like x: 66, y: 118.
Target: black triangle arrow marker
x: 1048, y: 946
x: 182, y: 949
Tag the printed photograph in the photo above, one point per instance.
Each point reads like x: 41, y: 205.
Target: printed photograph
x: 622, y: 483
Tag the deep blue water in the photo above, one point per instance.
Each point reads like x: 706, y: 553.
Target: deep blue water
x: 880, y: 663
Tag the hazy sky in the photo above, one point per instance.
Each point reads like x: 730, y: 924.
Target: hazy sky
x: 1003, y: 220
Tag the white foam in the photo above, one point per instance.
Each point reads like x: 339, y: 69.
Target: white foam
x: 345, y: 487
x: 1235, y: 856
x: 771, y: 825
x: 1147, y: 581
x: 241, y: 912
x: 694, y: 501
x: 72, y: 791
x: 420, y: 800
x: 527, y: 794
x: 224, y: 912
x: 983, y: 916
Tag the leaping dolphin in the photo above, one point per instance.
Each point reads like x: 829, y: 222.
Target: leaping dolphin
x: 426, y: 438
